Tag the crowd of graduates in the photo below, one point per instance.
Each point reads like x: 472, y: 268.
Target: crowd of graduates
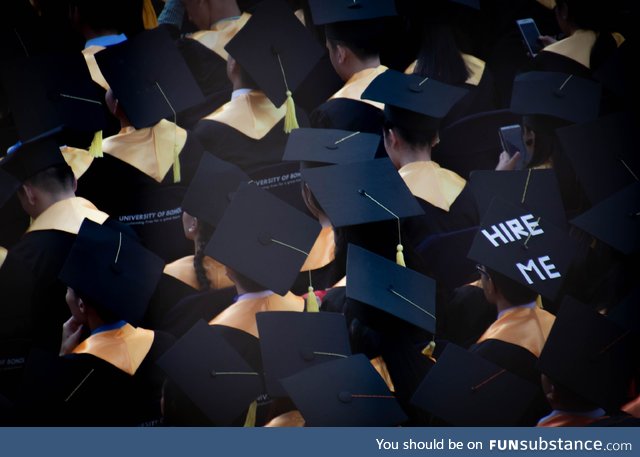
x: 318, y: 213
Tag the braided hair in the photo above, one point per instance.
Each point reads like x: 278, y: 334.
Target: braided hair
x: 204, y: 234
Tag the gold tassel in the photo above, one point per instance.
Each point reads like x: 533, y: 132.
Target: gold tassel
x: 290, y: 120
x: 429, y: 349
x: 176, y: 164
x: 312, y: 302
x: 95, y: 150
x: 400, y: 256
x: 250, y: 421
x: 539, y: 302
x: 149, y: 18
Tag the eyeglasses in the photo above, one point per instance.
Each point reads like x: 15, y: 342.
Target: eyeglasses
x: 481, y: 269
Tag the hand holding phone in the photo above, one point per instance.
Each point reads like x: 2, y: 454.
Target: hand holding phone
x: 511, y: 139
x: 530, y: 34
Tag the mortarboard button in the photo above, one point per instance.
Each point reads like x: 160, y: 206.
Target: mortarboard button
x: 345, y: 397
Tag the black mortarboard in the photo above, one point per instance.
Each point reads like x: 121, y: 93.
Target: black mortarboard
x: 603, y: 154
x: 445, y: 254
x: 212, y: 188
x: 263, y: 238
x: 342, y: 192
x: 616, y: 220
x: 112, y: 270
x: 342, y: 393
x: 149, y: 78
x: 558, y: 95
x: 394, y: 289
x: 212, y: 374
x: 627, y: 313
x: 31, y: 158
x: 275, y: 49
x: 524, y: 247
x: 465, y: 389
x: 54, y: 91
x: 411, y: 101
x: 332, y: 11
x: 535, y: 190
x: 291, y: 342
x: 330, y: 146
x: 474, y: 4
x: 8, y: 185
x: 590, y: 355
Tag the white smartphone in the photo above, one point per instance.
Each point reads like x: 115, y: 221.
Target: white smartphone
x: 530, y: 33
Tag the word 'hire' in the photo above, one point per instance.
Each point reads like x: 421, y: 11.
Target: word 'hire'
x: 513, y: 230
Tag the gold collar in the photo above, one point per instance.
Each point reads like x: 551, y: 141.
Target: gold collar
x: 252, y: 114
x: 433, y: 184
x: 90, y: 57
x: 150, y: 150
x: 220, y: 34
x: 357, y: 84
x: 184, y: 271
x: 323, y: 251
x: 125, y: 348
x: 78, y: 159
x: 67, y: 216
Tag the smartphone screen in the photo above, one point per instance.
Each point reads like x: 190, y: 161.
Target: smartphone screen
x: 511, y: 139
x: 530, y: 34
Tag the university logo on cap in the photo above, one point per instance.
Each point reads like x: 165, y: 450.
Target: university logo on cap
x: 524, y: 247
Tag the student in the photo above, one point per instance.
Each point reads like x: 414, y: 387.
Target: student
x: 251, y: 130
x: 353, y: 39
x: 106, y: 374
x: 414, y: 107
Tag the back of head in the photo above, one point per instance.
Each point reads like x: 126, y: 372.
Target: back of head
x: 514, y: 292
x: 439, y: 56
x: 54, y: 180
x: 364, y: 38
x: 121, y: 16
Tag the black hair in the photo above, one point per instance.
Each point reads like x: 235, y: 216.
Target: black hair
x: 439, y: 56
x: 416, y: 138
x: 204, y: 234
x: 363, y: 38
x: 124, y: 16
x: 513, y: 291
x: 58, y: 178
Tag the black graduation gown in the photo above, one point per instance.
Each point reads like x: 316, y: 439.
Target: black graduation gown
x: 551, y: 61
x: 84, y: 390
x: 151, y: 208
x: 169, y: 292
x: 249, y: 154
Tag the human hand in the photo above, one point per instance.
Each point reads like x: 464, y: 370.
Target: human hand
x: 507, y: 162
x: 71, y: 335
x: 546, y: 40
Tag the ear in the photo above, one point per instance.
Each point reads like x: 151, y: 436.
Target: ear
x: 75, y: 184
x: 306, y: 197
x: 81, y: 306
x: 29, y: 194
x: 341, y: 53
x: 390, y: 138
x: 435, y: 140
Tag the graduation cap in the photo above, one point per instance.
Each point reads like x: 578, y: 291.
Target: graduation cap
x: 362, y: 192
x: 332, y: 11
x: 411, y: 101
x: 535, y: 190
x: 330, y: 146
x: 524, y: 247
x: 56, y: 92
x: 616, y: 220
x: 31, y: 158
x: 465, y: 389
x: 263, y: 238
x: 149, y: 78
x: 8, y: 186
x: 277, y: 52
x: 590, y: 355
x: 211, y: 189
x: 626, y: 314
x: 559, y: 95
x: 342, y: 393
x: 292, y: 342
x: 112, y: 270
x: 603, y: 154
x: 212, y: 374
x: 401, y: 292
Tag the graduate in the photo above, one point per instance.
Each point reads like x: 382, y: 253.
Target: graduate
x: 47, y: 195
x: 105, y: 374
x: 353, y: 39
x: 315, y: 148
x: 413, y: 109
x: 153, y: 157
x: 268, y: 58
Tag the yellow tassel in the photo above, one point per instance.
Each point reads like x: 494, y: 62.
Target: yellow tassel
x: 312, y: 302
x: 400, y: 256
x: 250, y: 421
x: 539, y: 302
x: 176, y: 164
x: 95, y: 150
x: 149, y: 18
x: 290, y: 120
x: 429, y: 349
